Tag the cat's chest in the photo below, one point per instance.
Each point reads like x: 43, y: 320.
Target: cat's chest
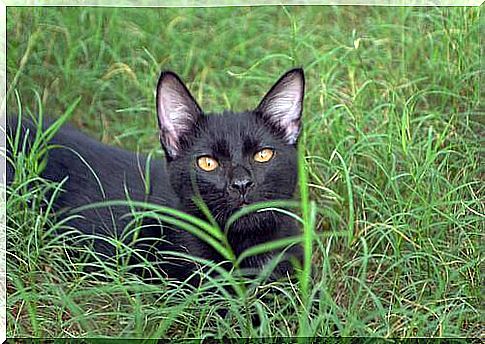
x: 256, y: 262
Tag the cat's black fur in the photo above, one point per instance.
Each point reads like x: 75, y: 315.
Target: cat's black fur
x: 96, y: 172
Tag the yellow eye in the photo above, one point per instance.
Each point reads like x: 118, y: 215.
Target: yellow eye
x: 207, y: 163
x: 264, y: 155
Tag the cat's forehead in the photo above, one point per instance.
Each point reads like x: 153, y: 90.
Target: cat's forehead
x: 232, y: 133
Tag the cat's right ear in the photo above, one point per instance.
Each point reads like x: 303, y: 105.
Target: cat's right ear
x: 177, y: 112
x: 282, y: 106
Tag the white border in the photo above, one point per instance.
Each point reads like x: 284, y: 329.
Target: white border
x: 235, y: 3
x: 3, y: 200
x: 140, y: 3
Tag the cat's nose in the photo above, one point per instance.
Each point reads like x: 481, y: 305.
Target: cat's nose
x: 241, y: 184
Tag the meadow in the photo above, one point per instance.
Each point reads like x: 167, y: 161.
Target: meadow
x: 391, y: 183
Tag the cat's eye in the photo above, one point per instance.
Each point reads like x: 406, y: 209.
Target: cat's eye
x: 207, y: 163
x: 264, y: 155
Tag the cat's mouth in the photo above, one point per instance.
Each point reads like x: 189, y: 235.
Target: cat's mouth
x: 243, y: 202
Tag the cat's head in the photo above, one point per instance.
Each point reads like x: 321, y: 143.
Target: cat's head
x: 233, y: 158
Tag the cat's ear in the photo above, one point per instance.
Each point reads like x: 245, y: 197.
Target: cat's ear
x: 282, y: 106
x: 177, y: 112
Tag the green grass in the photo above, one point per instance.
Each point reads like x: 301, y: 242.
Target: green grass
x: 392, y: 185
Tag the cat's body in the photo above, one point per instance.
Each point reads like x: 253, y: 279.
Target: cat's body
x: 230, y: 147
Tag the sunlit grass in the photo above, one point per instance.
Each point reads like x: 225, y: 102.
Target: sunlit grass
x: 391, y: 195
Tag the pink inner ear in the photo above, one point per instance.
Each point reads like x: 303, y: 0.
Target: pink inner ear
x: 177, y: 112
x: 283, y: 104
x: 284, y: 109
x: 170, y: 142
x: 167, y: 130
x: 292, y: 131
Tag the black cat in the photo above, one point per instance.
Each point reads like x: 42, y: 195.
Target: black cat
x: 229, y: 160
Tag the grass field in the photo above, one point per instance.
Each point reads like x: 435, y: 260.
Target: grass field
x: 393, y: 136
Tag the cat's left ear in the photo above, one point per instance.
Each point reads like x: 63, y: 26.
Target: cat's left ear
x: 282, y: 106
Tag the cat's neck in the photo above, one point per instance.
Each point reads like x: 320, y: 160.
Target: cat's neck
x: 245, y: 234
x: 253, y: 229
